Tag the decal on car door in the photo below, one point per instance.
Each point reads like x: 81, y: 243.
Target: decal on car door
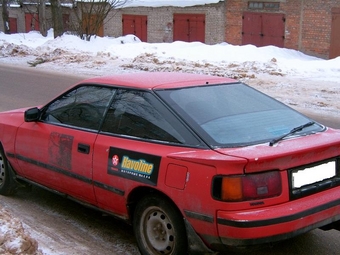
x: 60, y: 150
x: 133, y: 165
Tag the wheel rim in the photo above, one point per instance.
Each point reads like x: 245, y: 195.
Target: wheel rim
x: 2, y: 169
x: 158, y: 230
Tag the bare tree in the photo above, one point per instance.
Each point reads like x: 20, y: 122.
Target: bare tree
x: 42, y: 17
x: 91, y: 14
x: 38, y: 10
x: 57, y: 18
x: 5, y: 16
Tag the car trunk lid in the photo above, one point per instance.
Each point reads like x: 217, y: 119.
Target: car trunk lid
x: 288, y: 153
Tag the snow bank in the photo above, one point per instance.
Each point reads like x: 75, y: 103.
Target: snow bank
x: 13, y: 238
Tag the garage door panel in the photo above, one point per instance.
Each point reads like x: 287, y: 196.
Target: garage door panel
x: 252, y: 23
x: 31, y: 22
x: 135, y: 25
x: 196, y: 29
x: 273, y: 24
x: 335, y: 34
x: 252, y: 29
x: 181, y: 28
x: 13, y: 27
x: 189, y: 27
x: 261, y: 29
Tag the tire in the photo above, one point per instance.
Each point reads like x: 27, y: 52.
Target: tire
x: 7, y: 183
x: 159, y: 227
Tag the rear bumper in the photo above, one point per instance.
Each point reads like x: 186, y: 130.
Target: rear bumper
x: 276, y: 223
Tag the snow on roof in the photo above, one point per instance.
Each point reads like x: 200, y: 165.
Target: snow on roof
x: 138, y: 3
x: 161, y: 3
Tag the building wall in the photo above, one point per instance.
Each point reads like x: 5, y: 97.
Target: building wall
x: 316, y: 26
x: 160, y: 21
x: 19, y: 13
x: 234, y: 12
x: 307, y: 26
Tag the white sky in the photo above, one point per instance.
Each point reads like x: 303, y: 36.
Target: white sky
x: 159, y: 3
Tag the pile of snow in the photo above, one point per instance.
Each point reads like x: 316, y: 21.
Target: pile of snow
x: 13, y: 238
x: 227, y: 58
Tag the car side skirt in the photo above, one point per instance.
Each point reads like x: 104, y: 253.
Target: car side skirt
x: 71, y: 198
x: 66, y: 173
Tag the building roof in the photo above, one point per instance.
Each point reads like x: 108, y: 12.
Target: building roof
x: 161, y: 3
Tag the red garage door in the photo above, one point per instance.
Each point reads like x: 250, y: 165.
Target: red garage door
x: 135, y: 25
x: 66, y: 22
x: 261, y: 29
x: 31, y: 22
x: 13, y: 27
x: 189, y: 27
x: 334, y: 50
x: 92, y: 25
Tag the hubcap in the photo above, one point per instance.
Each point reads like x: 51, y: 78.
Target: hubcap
x: 159, y: 231
x: 2, y: 170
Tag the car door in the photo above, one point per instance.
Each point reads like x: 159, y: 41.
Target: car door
x: 138, y: 131
x: 56, y: 151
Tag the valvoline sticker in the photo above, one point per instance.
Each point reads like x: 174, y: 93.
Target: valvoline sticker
x: 134, y: 165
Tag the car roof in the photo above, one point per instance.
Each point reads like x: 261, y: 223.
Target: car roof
x: 159, y: 80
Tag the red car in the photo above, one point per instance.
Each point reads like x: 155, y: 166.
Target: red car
x: 195, y: 163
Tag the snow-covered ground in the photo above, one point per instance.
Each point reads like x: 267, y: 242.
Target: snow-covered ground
x: 301, y: 81
x: 13, y: 237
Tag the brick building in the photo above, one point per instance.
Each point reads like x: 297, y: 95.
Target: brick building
x: 204, y: 23
x: 310, y: 26
x: 25, y: 17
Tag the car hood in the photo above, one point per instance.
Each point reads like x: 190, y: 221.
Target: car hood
x: 12, y: 115
x: 20, y: 110
x: 288, y: 153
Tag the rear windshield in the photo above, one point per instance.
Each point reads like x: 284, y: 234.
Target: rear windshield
x: 231, y: 115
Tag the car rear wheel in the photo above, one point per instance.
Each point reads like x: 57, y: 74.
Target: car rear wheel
x: 159, y: 227
x: 7, y: 182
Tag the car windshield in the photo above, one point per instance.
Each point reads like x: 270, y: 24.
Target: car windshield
x: 231, y: 115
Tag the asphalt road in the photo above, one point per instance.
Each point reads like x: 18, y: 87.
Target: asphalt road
x: 69, y: 228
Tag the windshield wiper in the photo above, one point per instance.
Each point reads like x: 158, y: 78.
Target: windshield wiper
x: 294, y: 130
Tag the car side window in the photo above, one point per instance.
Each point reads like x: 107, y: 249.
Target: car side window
x: 84, y: 107
x: 139, y: 114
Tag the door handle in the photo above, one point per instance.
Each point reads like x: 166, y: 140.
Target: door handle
x: 83, y: 148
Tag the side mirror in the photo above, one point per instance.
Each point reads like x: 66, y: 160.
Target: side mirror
x: 32, y: 114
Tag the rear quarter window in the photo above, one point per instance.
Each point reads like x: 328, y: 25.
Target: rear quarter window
x: 139, y: 114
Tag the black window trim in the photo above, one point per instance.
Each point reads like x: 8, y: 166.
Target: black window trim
x: 200, y: 143
x: 85, y: 84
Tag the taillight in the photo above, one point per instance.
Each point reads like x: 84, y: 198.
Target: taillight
x: 247, y: 187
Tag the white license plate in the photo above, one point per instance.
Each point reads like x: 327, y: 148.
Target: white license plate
x: 313, y: 174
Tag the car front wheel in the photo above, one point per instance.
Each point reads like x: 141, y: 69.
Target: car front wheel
x: 159, y: 227
x: 7, y: 182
